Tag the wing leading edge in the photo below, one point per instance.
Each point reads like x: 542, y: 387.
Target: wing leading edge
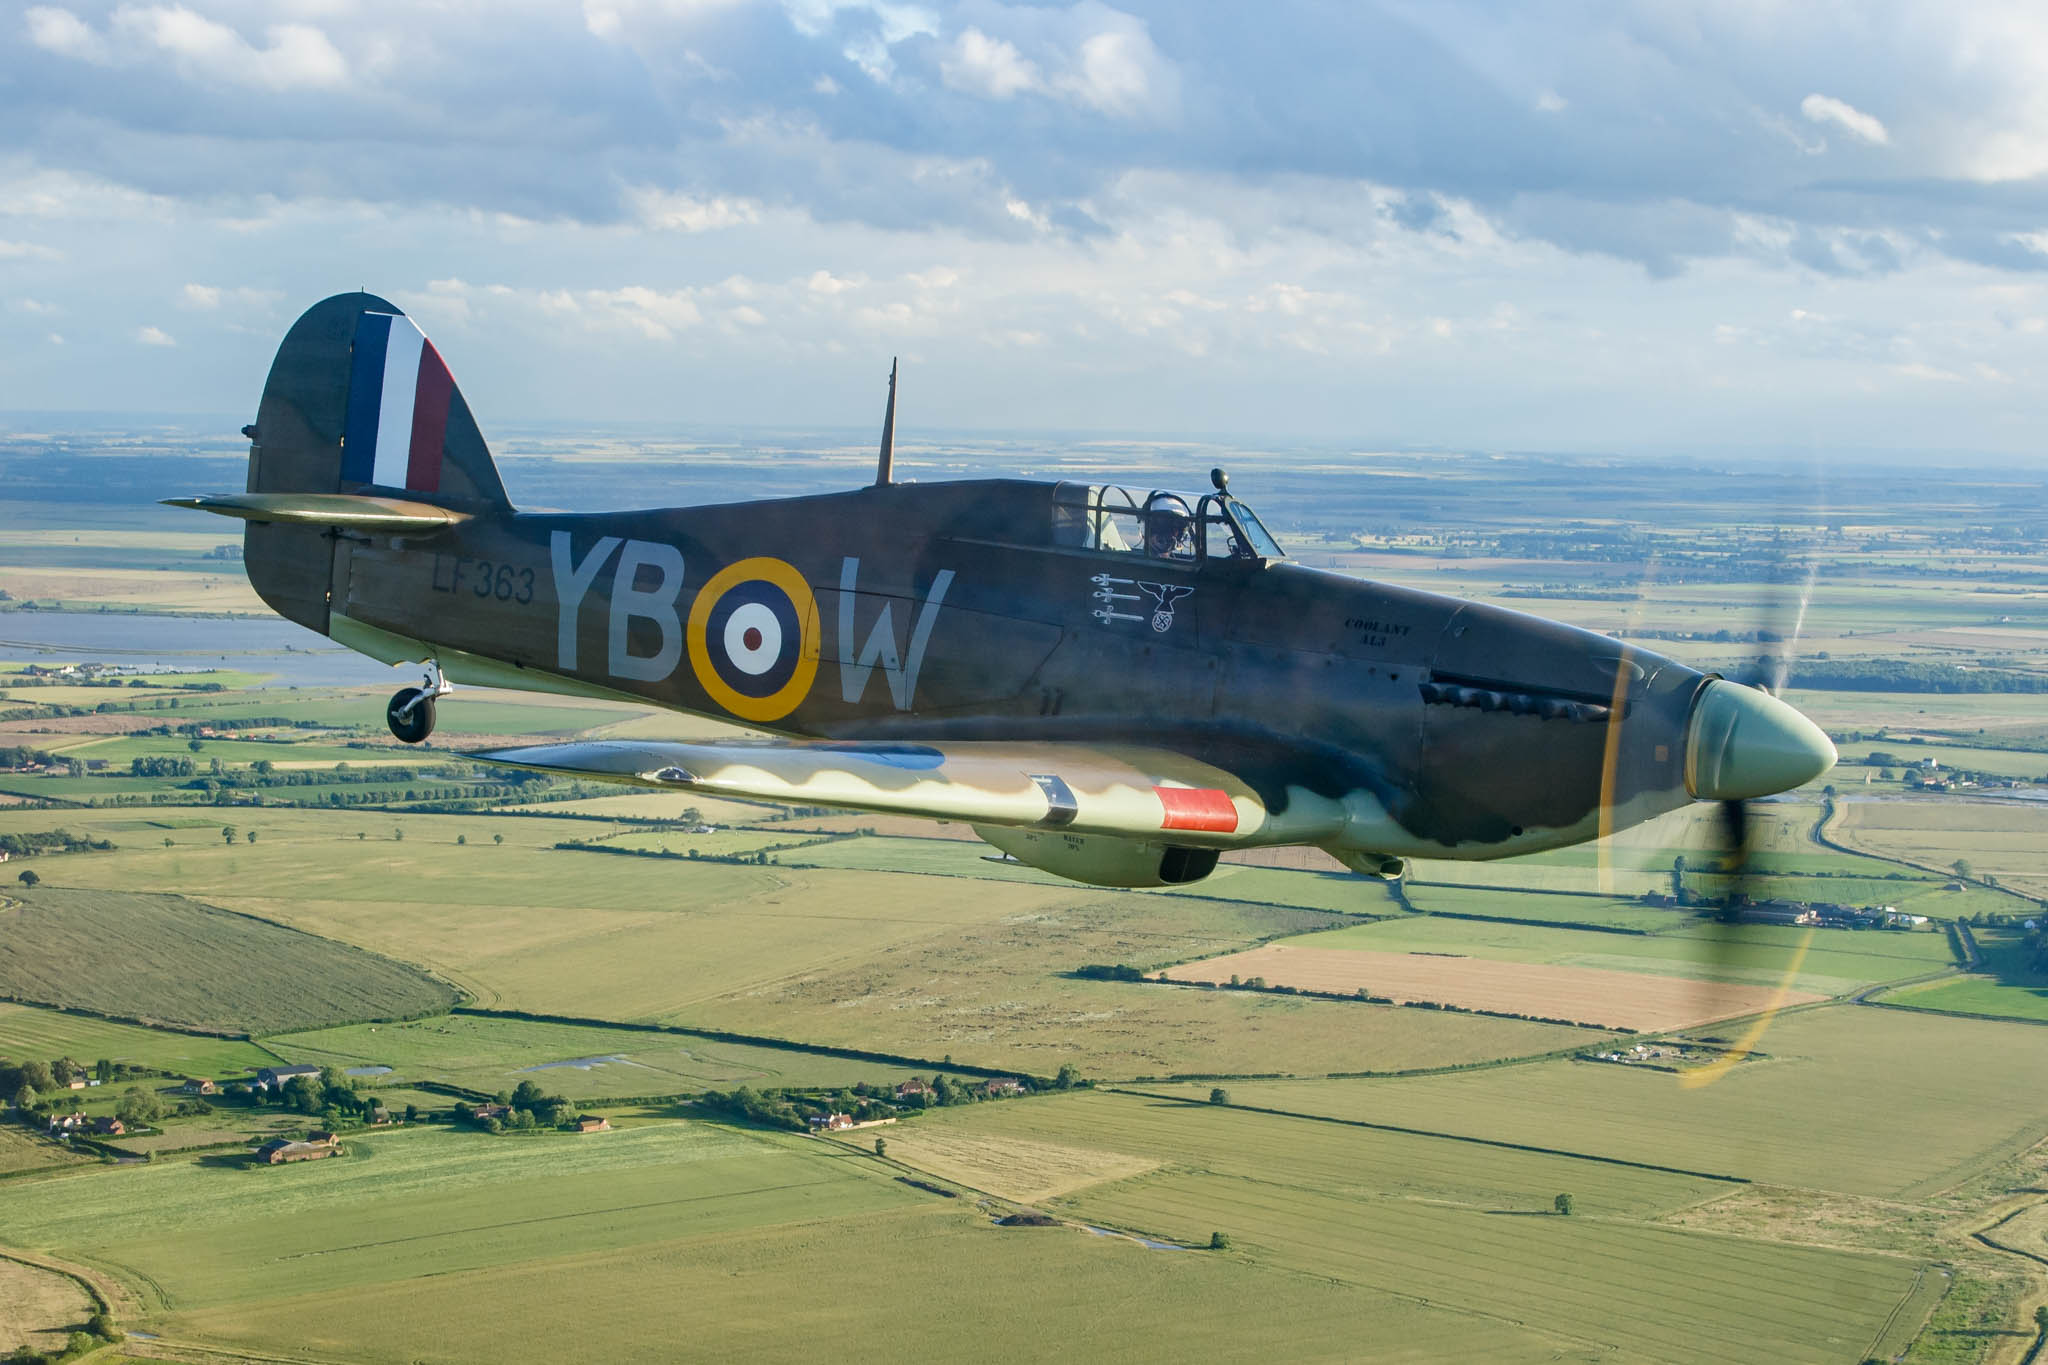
x: 1084, y: 789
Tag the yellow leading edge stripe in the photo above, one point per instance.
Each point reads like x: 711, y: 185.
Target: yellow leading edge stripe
x: 1694, y: 1077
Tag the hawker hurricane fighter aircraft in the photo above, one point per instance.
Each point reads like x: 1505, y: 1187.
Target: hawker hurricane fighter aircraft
x: 1112, y: 685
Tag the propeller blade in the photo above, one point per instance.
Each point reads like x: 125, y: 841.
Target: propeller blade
x: 1692, y: 1078
x: 1736, y: 825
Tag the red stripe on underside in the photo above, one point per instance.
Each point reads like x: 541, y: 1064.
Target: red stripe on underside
x: 429, y: 422
x: 1202, y: 808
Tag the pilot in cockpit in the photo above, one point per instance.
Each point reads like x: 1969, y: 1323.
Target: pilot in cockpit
x: 1169, y: 530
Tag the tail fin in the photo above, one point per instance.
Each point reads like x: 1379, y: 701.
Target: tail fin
x: 358, y: 401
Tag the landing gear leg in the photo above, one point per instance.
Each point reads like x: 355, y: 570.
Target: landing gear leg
x: 411, y: 710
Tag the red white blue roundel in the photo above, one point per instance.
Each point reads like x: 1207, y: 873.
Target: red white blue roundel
x: 753, y: 639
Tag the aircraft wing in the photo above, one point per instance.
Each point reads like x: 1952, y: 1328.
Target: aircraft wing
x: 1129, y: 792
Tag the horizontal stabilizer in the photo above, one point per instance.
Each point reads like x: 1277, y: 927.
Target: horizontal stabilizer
x: 1078, y: 788
x: 357, y: 512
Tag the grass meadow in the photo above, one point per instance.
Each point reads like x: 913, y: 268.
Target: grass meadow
x: 29, y: 1032
x: 1640, y: 1292
x: 937, y: 1273
x: 1863, y: 1101
x: 418, y: 1245
x: 1448, y: 1222
x: 2007, y: 988
x: 884, y: 961
x: 403, y: 1204
x: 496, y: 1054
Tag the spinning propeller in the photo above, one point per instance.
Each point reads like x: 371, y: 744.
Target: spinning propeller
x: 1787, y: 752
x: 1744, y: 743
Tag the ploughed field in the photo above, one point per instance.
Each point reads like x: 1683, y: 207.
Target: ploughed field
x: 1587, y: 995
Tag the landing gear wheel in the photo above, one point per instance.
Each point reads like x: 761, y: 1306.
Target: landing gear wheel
x: 411, y: 714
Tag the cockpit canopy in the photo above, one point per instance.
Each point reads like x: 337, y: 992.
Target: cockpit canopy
x: 1159, y: 524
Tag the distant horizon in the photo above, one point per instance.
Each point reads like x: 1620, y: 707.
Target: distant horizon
x: 15, y: 423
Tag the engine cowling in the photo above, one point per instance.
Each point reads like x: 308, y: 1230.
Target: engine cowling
x: 1102, y: 860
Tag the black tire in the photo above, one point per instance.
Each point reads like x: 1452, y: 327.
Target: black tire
x: 414, y: 725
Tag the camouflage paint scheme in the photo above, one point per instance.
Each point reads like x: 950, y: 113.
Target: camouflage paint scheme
x: 964, y: 665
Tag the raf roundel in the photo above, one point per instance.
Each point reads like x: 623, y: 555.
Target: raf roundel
x: 754, y: 639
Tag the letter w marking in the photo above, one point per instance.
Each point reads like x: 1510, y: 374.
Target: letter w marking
x: 901, y: 670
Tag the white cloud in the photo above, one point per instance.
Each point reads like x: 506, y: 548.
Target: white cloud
x: 1920, y: 369
x: 656, y: 315
x: 1828, y: 109
x: 825, y: 282
x: 683, y: 213
x: 210, y: 297
x: 1116, y: 71
x: 154, y: 336
x: 988, y: 66
x: 64, y: 195
x: 37, y: 306
x: 64, y: 33
x: 298, y: 57
x: 28, y: 251
x: 56, y: 338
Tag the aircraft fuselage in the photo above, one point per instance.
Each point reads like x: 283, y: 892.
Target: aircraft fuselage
x: 1453, y: 728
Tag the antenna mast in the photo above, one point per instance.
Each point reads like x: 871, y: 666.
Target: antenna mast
x: 886, y: 466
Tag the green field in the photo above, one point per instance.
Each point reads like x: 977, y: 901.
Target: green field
x: 490, y: 1055
x: 1503, y: 903
x: 1865, y: 1101
x: 619, y: 1245
x: 2008, y: 988
x: 1030, y: 1295
x: 878, y: 961
x: 1644, y: 1293
x: 428, y: 1201
x: 1455, y: 1222
x: 165, y: 959
x: 1839, y: 960
x: 20, y: 1153
x: 43, y: 1034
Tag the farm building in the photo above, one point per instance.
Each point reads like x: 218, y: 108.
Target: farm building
x: 274, y: 1077
x: 108, y: 1127
x: 831, y: 1123
x: 1005, y: 1085
x: 913, y: 1089
x: 198, y: 1085
x: 592, y: 1123
x: 1779, y: 912
x: 278, y: 1151
x: 490, y: 1111
x: 66, y: 1123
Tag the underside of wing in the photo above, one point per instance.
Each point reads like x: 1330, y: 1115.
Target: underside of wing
x: 1120, y: 791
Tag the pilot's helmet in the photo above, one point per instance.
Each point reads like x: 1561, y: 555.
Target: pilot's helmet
x: 1166, y: 529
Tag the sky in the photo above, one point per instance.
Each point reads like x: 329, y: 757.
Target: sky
x: 1607, y: 226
